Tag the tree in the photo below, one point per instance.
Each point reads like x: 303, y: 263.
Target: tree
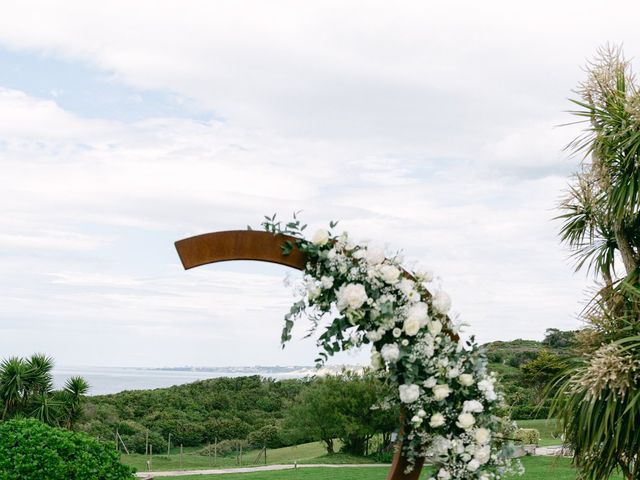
x: 540, y: 371
x: 346, y: 406
x: 26, y: 390
x: 597, y: 399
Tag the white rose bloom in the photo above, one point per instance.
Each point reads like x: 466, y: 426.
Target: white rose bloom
x: 466, y: 379
x: 406, y: 286
x: 418, y: 312
x: 396, y: 332
x: 327, y: 282
x: 416, y: 419
x: 389, y: 274
x: 411, y: 326
x: 430, y: 382
x: 321, y: 237
x: 435, y: 327
x: 351, y: 295
x: 374, y: 256
x: 441, y: 302
x: 437, y: 420
x: 483, y: 454
x: 440, y: 392
x: 331, y: 254
x: 409, y: 393
x: 443, y: 474
x: 453, y: 373
x: 413, y: 296
x: 473, y: 465
x: 466, y: 421
x: 376, y: 361
x: 422, y: 413
x: 472, y: 406
x: 491, y: 396
x: 390, y: 352
x: 482, y: 436
x: 405, y: 342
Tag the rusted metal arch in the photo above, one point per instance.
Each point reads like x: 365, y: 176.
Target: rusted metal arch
x: 264, y: 247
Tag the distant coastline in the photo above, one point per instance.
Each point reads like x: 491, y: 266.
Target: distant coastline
x: 107, y: 380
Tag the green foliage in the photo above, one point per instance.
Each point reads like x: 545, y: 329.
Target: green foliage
x: 26, y: 390
x: 597, y: 398
x: 528, y: 436
x: 194, y: 414
x: 29, y: 449
x: 344, y: 406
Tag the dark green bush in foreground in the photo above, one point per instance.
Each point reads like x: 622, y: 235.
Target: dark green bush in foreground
x: 29, y: 449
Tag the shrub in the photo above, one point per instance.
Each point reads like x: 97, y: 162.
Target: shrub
x: 31, y: 449
x: 528, y: 436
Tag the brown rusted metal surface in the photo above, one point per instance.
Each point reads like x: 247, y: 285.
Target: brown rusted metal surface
x: 237, y: 245
x: 265, y: 247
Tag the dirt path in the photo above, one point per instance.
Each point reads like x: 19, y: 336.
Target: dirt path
x: 264, y: 468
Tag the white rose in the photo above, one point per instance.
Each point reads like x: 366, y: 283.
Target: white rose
x: 440, y: 392
x: 327, y: 282
x: 389, y: 274
x: 374, y: 256
x: 405, y: 285
x: 413, y: 296
x: 472, y: 406
x: 466, y: 421
x: 409, y: 393
x: 483, y: 454
x: 444, y: 474
x: 351, y: 295
x: 473, y: 465
x: 376, y: 361
x: 416, y: 419
x: 435, y: 327
x: 482, y: 436
x: 441, y: 302
x: 390, y: 352
x: 411, y: 326
x: 321, y: 237
x: 396, y: 332
x: 418, y: 312
x: 437, y: 420
x: 422, y: 413
x: 466, y: 379
x: 331, y: 254
x: 405, y: 342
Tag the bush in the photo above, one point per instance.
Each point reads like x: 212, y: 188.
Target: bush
x: 528, y: 436
x: 225, y: 447
x: 31, y: 449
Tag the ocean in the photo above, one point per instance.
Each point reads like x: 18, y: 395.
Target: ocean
x: 104, y: 380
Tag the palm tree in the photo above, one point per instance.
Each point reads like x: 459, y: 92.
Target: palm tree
x: 73, y: 393
x: 26, y: 390
x: 597, y: 399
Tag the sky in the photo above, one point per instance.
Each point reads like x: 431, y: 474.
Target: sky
x: 430, y: 127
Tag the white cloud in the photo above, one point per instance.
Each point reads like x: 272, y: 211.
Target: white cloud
x: 428, y: 127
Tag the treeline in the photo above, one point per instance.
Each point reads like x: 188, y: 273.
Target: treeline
x: 259, y: 411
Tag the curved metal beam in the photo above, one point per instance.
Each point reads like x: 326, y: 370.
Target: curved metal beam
x: 265, y: 247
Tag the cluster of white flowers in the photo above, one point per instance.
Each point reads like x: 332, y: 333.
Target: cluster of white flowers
x: 444, y: 387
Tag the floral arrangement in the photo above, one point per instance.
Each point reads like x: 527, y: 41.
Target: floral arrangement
x: 447, y: 395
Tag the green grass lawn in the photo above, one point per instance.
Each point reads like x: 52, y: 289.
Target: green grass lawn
x: 537, y: 468
x: 314, y: 452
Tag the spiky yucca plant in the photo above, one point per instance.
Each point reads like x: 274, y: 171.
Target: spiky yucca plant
x: 597, y: 399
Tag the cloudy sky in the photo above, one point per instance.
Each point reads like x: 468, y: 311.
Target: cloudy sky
x: 425, y: 126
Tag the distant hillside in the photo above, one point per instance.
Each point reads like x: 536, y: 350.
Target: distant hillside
x: 525, y: 366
